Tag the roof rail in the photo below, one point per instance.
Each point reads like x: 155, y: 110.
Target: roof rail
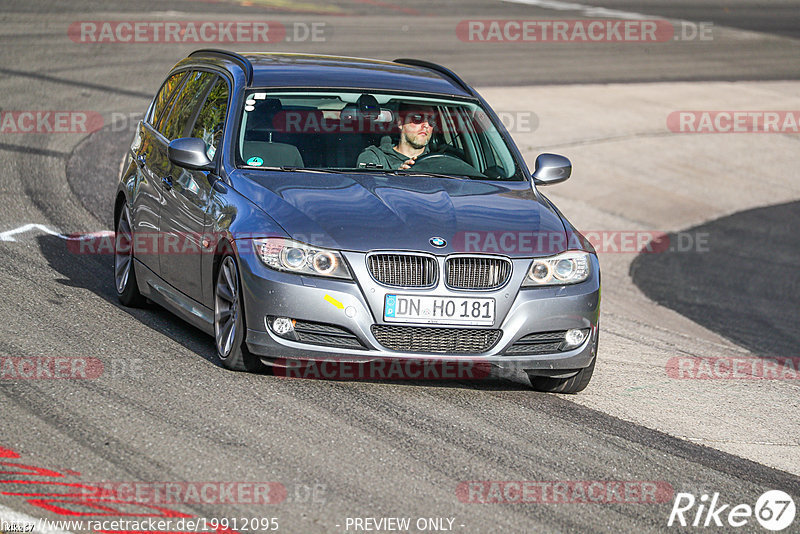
x: 438, y: 68
x: 232, y: 56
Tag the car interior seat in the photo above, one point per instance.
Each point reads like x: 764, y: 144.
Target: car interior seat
x: 258, y: 138
x: 361, y: 119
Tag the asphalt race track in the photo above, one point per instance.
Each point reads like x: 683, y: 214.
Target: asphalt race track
x: 161, y: 409
x: 742, y: 307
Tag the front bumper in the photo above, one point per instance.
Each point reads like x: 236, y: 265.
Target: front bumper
x: 357, y: 306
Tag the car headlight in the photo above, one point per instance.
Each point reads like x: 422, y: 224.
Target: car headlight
x: 295, y: 257
x: 569, y: 267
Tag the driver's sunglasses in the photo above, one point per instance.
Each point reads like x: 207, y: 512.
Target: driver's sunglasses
x: 419, y: 118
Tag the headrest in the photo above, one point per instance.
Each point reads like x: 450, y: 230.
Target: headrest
x: 265, y: 110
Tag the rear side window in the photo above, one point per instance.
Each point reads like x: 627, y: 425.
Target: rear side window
x: 186, y: 104
x: 211, y: 118
x: 163, y: 97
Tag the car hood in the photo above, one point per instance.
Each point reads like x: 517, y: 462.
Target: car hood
x: 363, y: 212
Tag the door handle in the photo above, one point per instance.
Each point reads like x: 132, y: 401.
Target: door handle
x: 141, y: 160
x: 167, y: 181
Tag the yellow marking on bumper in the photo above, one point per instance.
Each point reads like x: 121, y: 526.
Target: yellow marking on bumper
x: 334, y: 301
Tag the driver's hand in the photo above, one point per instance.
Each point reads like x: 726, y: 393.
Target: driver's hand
x: 407, y: 164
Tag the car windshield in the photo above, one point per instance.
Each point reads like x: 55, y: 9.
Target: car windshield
x: 371, y: 132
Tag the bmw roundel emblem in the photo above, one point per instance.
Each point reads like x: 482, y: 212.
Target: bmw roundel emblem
x: 438, y: 242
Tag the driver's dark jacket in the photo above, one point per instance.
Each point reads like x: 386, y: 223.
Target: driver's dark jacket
x: 383, y: 157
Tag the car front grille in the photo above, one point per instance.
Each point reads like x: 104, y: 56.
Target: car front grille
x: 403, y: 270
x: 541, y: 343
x: 474, y: 272
x: 325, y: 334
x: 430, y: 339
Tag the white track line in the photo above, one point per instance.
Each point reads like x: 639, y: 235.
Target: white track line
x: 8, y: 235
x: 590, y: 11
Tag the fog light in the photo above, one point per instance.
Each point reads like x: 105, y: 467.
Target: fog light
x: 575, y: 337
x: 283, y: 326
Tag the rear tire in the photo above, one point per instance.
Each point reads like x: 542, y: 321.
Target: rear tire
x: 124, y: 271
x: 229, y: 323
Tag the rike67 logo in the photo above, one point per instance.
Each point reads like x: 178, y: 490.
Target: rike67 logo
x: 774, y: 511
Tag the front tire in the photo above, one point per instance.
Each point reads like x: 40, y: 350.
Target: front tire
x: 229, y: 324
x: 570, y: 384
x: 573, y: 384
x: 124, y: 272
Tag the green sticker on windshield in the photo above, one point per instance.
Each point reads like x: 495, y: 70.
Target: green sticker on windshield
x: 255, y: 161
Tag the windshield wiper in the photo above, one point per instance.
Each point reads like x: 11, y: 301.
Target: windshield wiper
x: 368, y: 170
x: 289, y: 168
x: 435, y: 175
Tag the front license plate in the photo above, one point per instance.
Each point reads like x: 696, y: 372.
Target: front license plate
x: 439, y: 310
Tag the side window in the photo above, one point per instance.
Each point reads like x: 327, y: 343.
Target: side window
x: 211, y: 118
x: 163, y: 97
x: 192, y: 93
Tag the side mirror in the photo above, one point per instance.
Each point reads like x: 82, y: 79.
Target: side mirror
x: 190, y: 153
x: 551, y: 169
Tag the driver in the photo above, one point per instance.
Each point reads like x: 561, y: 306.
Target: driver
x: 416, y: 124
